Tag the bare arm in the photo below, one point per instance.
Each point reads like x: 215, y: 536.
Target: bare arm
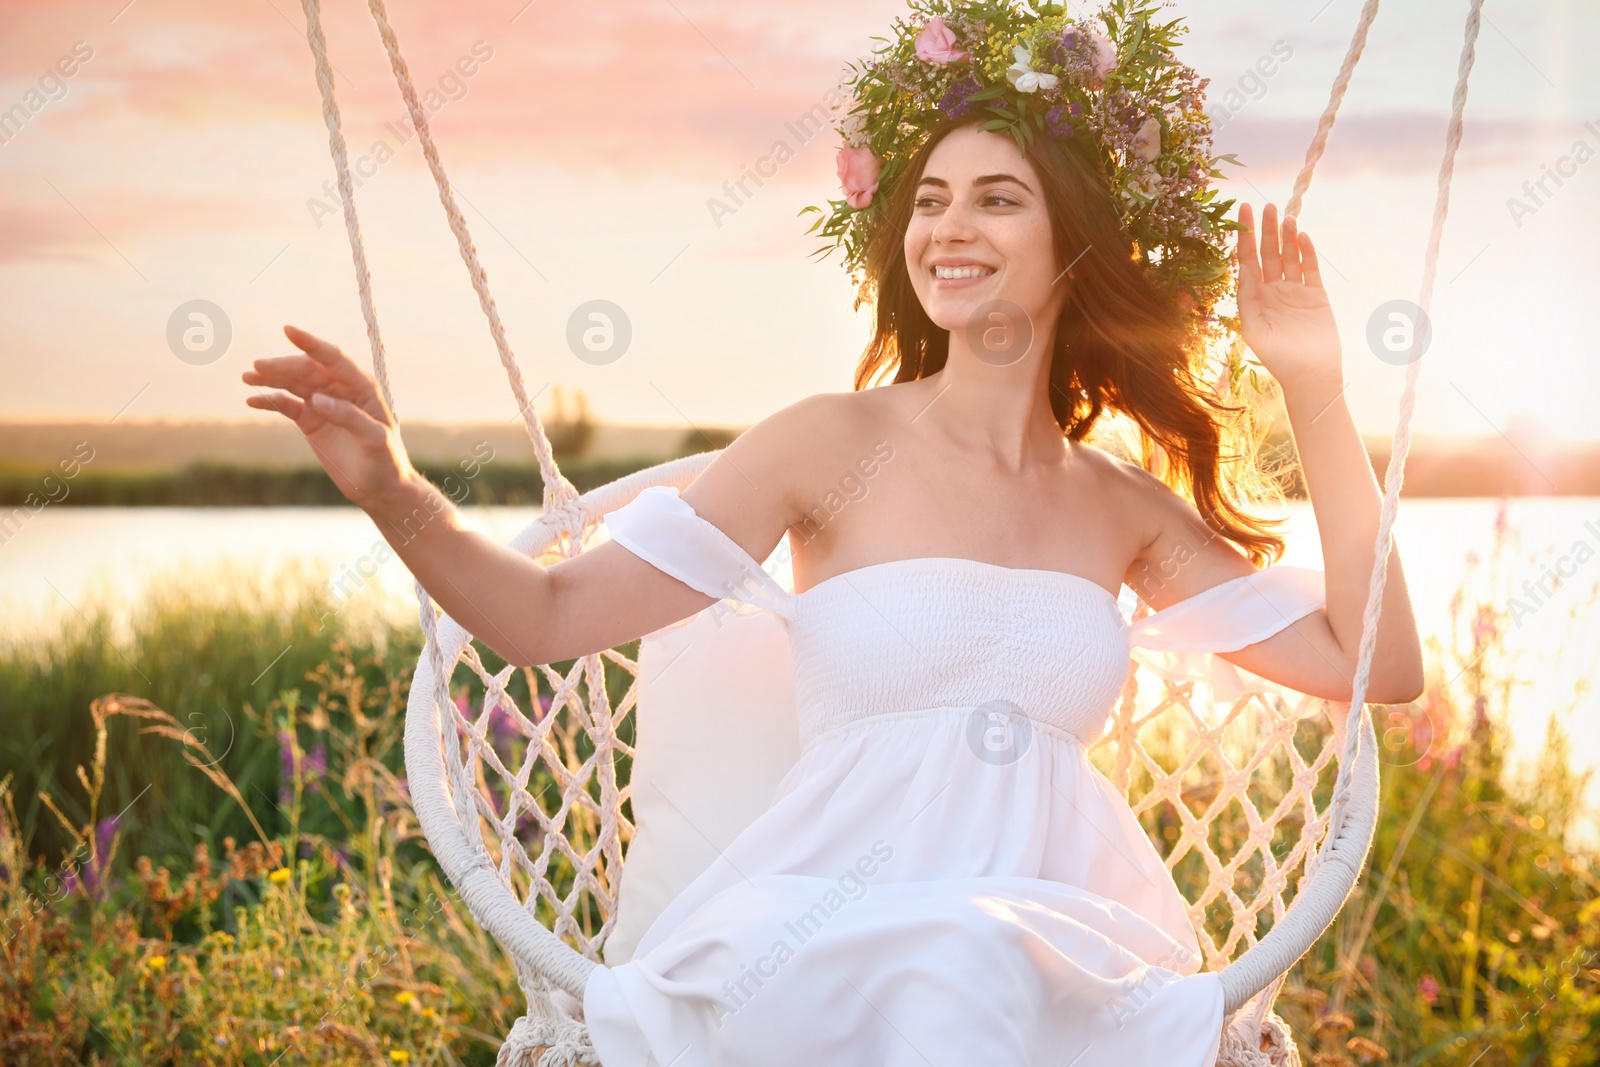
x: 526, y: 612
x: 1288, y: 323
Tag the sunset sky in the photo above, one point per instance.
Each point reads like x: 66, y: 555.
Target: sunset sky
x: 185, y: 158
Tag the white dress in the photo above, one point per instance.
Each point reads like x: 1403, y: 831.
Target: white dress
x: 942, y: 878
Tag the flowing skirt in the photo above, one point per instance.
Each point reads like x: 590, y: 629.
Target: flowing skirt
x: 918, y: 894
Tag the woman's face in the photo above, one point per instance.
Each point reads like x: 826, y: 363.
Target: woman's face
x: 980, y: 208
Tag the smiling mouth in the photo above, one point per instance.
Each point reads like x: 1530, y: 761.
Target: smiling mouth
x: 957, y: 273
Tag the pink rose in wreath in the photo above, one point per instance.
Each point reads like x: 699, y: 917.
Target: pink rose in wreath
x: 858, y: 175
x: 937, y: 44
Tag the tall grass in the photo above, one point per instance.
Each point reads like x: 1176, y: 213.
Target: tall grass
x: 149, y: 934
x: 298, y: 948
x: 210, y: 648
x: 1473, y: 936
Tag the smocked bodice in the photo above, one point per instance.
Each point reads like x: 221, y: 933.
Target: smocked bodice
x: 945, y: 632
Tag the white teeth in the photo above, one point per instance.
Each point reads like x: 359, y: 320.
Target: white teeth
x: 961, y: 272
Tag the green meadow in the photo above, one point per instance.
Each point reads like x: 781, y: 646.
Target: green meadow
x: 207, y: 856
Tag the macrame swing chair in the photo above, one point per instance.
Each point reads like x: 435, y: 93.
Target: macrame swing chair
x: 1253, y: 797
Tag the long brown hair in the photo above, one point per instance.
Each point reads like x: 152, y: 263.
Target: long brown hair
x: 1122, y: 345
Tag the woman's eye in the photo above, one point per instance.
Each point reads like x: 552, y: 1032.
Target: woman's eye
x: 992, y: 198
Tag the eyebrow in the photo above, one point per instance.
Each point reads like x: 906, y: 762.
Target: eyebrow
x: 984, y: 179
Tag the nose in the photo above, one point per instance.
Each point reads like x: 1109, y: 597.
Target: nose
x: 954, y: 225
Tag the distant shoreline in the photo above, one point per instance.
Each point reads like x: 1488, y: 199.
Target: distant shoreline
x: 517, y: 484
x: 240, y: 464
x: 227, y: 486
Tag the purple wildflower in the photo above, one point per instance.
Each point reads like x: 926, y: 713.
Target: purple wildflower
x: 94, y: 873
x: 528, y: 831
x: 103, y: 833
x: 316, y: 767
x: 954, y: 102
x: 286, y: 763
x: 501, y: 726
x: 285, y: 754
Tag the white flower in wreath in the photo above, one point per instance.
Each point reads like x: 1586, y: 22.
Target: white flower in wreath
x: 1147, y: 185
x: 1147, y: 142
x: 855, y: 128
x: 1022, y: 75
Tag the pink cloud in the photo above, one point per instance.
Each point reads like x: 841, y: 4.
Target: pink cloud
x: 633, y: 90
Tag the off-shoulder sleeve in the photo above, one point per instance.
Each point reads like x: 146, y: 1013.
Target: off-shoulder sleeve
x: 660, y: 527
x: 1179, y: 642
x: 1233, y: 614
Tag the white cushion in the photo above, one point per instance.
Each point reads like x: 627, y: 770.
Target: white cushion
x: 715, y: 733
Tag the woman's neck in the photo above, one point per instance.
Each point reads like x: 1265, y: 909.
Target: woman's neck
x: 1002, y: 412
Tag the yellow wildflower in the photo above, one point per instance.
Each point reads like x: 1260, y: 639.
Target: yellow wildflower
x: 397, y: 1055
x: 279, y: 876
x: 156, y: 963
x: 405, y: 996
x: 427, y: 1013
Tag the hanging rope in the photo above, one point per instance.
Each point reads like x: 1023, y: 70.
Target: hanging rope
x: 1260, y: 1020
x: 1395, y: 473
x: 545, y: 1035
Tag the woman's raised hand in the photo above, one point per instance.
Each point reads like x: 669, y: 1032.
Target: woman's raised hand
x: 1284, y: 314
x: 337, y: 406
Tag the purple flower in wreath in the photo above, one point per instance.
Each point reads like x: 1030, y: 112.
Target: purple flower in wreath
x: 1056, y: 122
x: 954, y: 102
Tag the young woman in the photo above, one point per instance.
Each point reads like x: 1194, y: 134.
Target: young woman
x: 917, y: 894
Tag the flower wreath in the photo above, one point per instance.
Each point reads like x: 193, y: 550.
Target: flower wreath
x: 1110, y: 77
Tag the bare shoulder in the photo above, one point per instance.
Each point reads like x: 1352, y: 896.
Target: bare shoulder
x: 1139, y: 501
x: 753, y: 490
x: 1175, y: 552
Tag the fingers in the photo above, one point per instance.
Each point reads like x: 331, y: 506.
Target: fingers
x: 1291, y: 251
x: 283, y: 403
x: 1291, y: 260
x: 297, y: 374
x: 348, y: 416
x: 323, y: 368
x: 1308, y: 260
x: 1249, y: 265
x: 328, y: 355
x: 1271, y: 257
